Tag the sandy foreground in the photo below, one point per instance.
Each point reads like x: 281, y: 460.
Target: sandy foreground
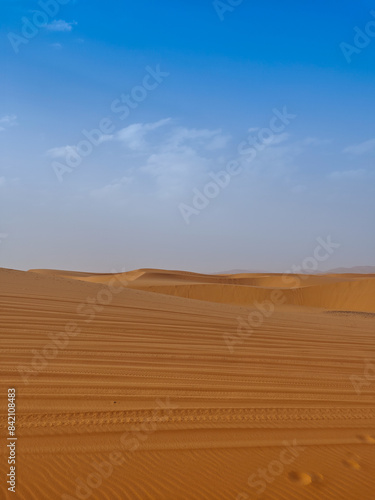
x: 173, y: 385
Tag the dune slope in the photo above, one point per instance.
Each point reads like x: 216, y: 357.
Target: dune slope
x: 124, y: 393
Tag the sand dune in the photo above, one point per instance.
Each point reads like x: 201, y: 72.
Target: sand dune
x: 126, y: 388
x: 355, y: 269
x: 353, y: 292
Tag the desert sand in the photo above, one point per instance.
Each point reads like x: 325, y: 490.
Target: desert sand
x: 156, y: 384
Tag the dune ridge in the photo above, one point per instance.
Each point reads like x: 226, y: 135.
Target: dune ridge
x: 352, y: 292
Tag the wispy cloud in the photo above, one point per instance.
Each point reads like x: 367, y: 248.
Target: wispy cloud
x: 113, y: 188
x: 171, y: 159
x: 174, y: 158
x: 133, y: 136
x: 169, y: 156
x: 361, y: 148
x: 63, y: 151
x: 168, y: 159
x: 60, y: 25
x: 205, y: 138
x: 180, y: 156
x: 7, y: 121
x: 60, y: 152
x: 280, y: 138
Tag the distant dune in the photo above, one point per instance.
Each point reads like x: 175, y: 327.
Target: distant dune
x: 337, y: 270
x: 333, y: 291
x: 127, y: 389
x: 356, y: 269
x: 239, y: 271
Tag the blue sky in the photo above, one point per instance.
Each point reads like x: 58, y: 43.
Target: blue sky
x: 221, y: 71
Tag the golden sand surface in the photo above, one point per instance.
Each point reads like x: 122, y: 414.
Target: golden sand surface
x: 170, y: 385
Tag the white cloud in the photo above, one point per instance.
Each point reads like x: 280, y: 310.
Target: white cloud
x: 133, y: 136
x: 172, y: 169
x: 182, y: 156
x: 112, y: 188
x: 171, y: 159
x: 168, y: 160
x: 359, y: 173
x: 279, y: 138
x: 218, y: 142
x: 205, y: 138
x: 361, y: 148
x: 105, y: 138
x: 61, y: 152
x: 136, y: 137
x: 275, y: 160
x: 60, y: 25
x: 7, y: 121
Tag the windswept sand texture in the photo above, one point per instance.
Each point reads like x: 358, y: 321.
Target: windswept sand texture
x: 149, y: 374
